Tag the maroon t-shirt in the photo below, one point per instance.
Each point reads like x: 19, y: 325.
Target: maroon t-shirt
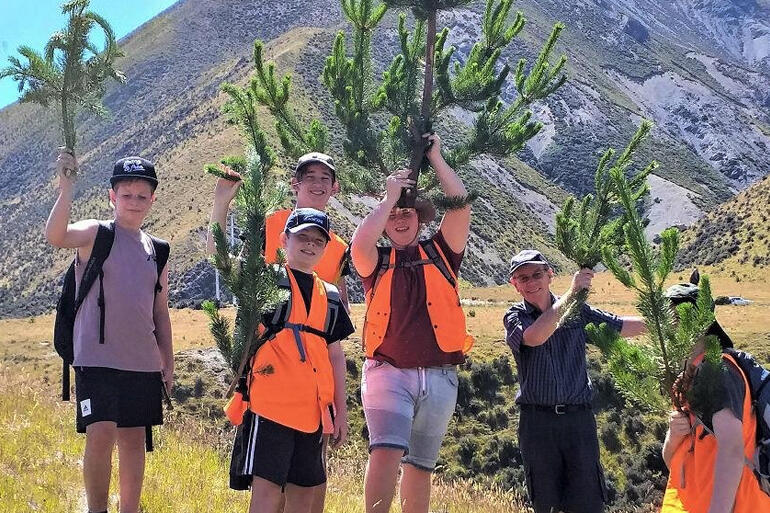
x: 409, y: 341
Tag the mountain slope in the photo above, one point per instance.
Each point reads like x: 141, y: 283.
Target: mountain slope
x: 622, y: 56
x: 735, y: 235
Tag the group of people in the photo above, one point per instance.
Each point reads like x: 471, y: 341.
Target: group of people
x: 290, y: 402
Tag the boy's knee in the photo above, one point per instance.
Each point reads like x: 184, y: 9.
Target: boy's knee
x: 101, y: 434
x: 131, y: 438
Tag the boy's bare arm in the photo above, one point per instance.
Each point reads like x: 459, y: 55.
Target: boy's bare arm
x: 339, y: 369
x: 224, y: 193
x: 160, y: 315
x: 363, y: 245
x: 455, y: 225
x: 728, y: 467
x: 58, y: 230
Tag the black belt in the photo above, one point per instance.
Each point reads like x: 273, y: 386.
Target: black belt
x: 558, y: 409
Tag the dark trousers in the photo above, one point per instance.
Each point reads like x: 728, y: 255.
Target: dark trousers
x: 561, y: 459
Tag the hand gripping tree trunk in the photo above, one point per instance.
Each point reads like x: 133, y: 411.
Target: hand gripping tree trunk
x: 72, y: 73
x: 384, y: 122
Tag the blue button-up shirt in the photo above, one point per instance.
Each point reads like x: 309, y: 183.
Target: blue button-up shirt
x: 554, y: 372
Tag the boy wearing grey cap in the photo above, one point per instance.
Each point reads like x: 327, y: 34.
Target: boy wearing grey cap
x: 123, y: 354
x: 557, y: 428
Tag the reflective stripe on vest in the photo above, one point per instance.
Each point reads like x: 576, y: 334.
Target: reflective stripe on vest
x: 329, y: 268
x: 291, y: 380
x: 691, y: 480
x: 442, y: 301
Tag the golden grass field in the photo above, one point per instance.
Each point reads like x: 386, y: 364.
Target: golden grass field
x: 40, y: 452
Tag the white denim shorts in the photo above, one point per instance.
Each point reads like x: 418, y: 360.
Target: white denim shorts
x: 408, y: 409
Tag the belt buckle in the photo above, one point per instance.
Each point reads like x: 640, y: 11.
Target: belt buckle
x: 560, y: 409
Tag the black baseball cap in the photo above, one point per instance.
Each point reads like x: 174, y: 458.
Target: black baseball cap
x: 133, y: 167
x: 321, y: 158
x: 527, y: 256
x: 302, y: 218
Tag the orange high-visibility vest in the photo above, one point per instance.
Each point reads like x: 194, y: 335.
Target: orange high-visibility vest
x: 291, y: 380
x: 329, y: 268
x: 442, y: 300
x: 691, y: 480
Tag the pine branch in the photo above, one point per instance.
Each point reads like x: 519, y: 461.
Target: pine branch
x: 669, y: 342
x: 455, y: 202
x: 384, y: 130
x: 220, y: 330
x: 585, y: 235
x: 63, y: 75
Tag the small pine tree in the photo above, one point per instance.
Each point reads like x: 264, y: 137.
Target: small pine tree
x: 252, y: 282
x: 597, y: 223
x: 384, y: 122
x: 646, y: 372
x: 72, y: 73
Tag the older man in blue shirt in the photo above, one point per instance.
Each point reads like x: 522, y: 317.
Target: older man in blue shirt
x: 557, y: 428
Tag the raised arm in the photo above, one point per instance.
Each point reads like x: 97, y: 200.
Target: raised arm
x: 363, y: 245
x: 224, y: 192
x: 58, y: 230
x: 456, y: 223
x: 544, y: 326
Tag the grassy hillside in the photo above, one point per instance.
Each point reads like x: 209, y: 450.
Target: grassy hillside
x: 735, y: 236
x: 480, y: 452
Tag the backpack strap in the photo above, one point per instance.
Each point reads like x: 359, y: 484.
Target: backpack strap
x: 105, y: 236
x: 161, y: 249
x: 333, y: 305
x: 437, y: 259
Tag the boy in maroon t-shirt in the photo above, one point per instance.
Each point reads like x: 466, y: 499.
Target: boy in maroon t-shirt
x: 414, y: 335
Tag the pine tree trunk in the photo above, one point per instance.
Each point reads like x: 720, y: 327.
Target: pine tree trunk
x: 421, y: 125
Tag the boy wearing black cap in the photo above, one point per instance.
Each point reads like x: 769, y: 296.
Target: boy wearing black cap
x: 122, y: 333
x: 557, y: 429
x: 294, y: 381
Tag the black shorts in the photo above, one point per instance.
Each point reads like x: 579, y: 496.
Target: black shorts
x: 277, y: 453
x: 130, y: 399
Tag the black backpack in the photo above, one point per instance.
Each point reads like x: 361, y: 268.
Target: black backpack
x: 68, y: 304
x: 758, y: 378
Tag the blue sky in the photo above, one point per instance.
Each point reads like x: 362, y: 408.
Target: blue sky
x: 19, y: 26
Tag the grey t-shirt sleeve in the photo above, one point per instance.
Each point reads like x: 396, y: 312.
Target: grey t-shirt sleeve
x: 596, y: 316
x: 514, y: 331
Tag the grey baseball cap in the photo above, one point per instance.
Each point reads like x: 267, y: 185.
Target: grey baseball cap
x: 316, y: 157
x: 527, y: 256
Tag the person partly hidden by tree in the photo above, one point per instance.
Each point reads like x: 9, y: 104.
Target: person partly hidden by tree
x: 414, y: 335
x: 557, y: 427
x: 711, y: 437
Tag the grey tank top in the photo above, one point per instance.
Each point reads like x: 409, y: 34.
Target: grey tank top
x: 130, y: 275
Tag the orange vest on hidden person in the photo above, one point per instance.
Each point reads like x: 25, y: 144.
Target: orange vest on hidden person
x: 291, y: 380
x: 442, y: 300
x: 691, y: 479
x: 329, y: 268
